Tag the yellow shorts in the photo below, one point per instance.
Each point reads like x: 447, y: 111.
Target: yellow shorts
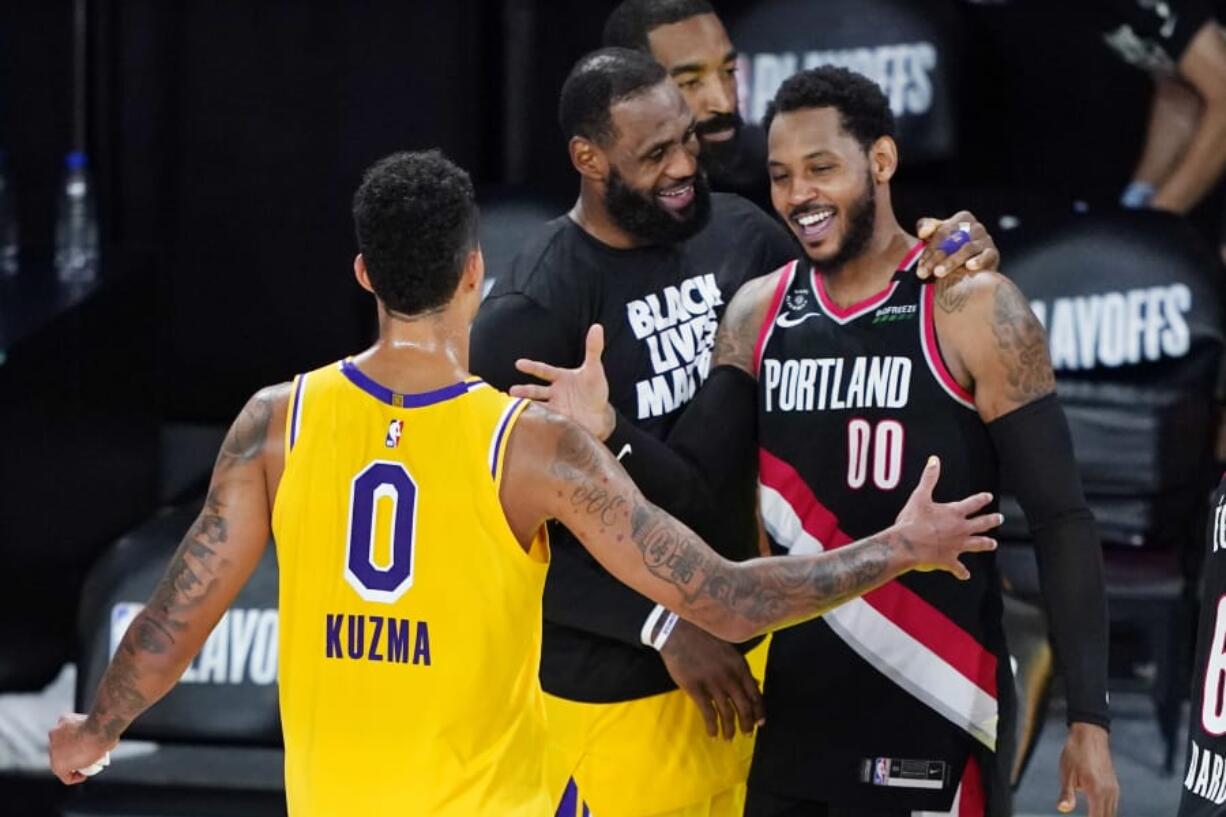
x: 649, y: 757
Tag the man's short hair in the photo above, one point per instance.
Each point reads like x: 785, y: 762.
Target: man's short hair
x: 599, y: 81
x: 415, y: 216
x: 863, y: 108
x: 631, y: 22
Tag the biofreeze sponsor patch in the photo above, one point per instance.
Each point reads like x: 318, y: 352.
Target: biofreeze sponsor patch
x: 906, y: 774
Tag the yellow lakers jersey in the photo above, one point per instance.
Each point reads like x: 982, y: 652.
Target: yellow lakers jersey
x: 410, y: 614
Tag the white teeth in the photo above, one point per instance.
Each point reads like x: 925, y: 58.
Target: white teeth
x: 678, y: 192
x: 809, y: 219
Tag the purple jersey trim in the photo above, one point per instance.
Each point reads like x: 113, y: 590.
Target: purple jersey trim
x: 297, y: 419
x: 503, y: 424
x: 417, y: 400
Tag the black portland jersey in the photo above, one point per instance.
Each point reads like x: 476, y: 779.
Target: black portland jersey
x: 851, y: 404
x: 1204, y: 785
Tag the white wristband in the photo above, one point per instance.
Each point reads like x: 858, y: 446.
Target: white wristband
x: 666, y: 629
x: 649, y: 626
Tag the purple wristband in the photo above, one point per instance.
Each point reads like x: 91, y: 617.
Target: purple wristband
x: 956, y: 241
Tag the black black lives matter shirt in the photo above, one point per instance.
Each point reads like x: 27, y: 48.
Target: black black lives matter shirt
x: 659, y: 307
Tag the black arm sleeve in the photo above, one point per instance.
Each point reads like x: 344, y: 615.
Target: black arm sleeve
x: 704, y: 474
x: 1037, y: 465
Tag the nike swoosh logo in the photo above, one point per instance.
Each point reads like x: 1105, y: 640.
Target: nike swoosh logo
x: 784, y: 322
x: 624, y: 452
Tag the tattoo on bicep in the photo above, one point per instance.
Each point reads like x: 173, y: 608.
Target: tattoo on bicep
x: 737, y: 334
x: 1023, y: 346
x: 245, y: 440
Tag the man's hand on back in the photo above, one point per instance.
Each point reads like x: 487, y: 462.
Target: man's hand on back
x: 976, y: 253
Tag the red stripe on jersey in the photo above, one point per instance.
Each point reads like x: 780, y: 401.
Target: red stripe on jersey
x: 915, y: 616
x: 973, y: 802
x: 932, y: 349
x: 786, y: 272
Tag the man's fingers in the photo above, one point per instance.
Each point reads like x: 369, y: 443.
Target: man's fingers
x: 925, y: 227
x: 726, y: 714
x: 1068, y: 793
x: 594, y: 344
x: 988, y: 259
x: 537, y: 369
x: 755, y: 699
x: 984, y: 522
x: 539, y: 393
x: 742, y: 704
x: 959, y: 570
x: 979, y: 544
x: 703, y: 701
x: 972, y: 504
x: 928, y: 479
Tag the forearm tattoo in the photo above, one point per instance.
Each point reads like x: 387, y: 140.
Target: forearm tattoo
x: 761, y: 594
x: 190, y: 578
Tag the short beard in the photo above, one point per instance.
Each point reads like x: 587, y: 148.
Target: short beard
x: 646, y: 220
x: 861, y: 221
x: 720, y: 157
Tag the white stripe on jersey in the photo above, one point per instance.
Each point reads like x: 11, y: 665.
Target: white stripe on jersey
x: 886, y: 646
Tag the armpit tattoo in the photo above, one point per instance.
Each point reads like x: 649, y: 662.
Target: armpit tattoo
x: 1023, y: 346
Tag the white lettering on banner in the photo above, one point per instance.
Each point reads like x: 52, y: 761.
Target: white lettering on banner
x: 904, y: 72
x: 1113, y: 329
x: 678, y: 327
x: 829, y: 383
x: 241, y: 649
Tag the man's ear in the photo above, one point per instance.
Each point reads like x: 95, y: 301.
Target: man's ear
x: 360, y: 272
x: 883, y: 159
x: 588, y: 158
x: 473, y: 275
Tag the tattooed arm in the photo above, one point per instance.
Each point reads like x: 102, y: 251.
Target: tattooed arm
x: 993, y: 343
x: 987, y: 330
x: 555, y: 469
x: 212, y: 564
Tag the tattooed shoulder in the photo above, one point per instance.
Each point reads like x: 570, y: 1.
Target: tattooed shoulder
x: 1021, y: 345
x: 247, y: 435
x: 738, y: 331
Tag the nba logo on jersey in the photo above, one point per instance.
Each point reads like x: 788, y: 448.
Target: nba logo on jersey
x: 394, y: 428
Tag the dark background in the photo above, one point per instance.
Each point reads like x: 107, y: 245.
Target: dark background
x: 227, y: 137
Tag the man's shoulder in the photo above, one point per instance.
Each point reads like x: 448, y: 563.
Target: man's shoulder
x: 541, y: 257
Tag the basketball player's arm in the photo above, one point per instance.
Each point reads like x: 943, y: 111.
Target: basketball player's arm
x: 989, y: 331
x: 211, y: 565
x: 557, y: 470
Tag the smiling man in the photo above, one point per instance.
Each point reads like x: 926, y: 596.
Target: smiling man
x: 690, y: 41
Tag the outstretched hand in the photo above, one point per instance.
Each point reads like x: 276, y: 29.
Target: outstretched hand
x: 937, y: 533
x: 580, y: 394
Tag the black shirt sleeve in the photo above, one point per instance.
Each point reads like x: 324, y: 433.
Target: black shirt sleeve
x: 511, y: 326
x: 704, y: 474
x: 578, y: 592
